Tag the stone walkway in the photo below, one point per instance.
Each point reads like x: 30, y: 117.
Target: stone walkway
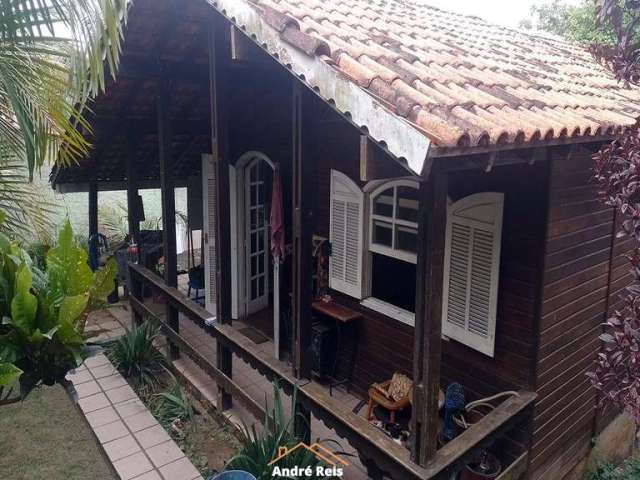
x: 113, y: 321
x: 137, y: 445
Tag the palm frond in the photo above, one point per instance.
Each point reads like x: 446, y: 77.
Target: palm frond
x: 28, y: 217
x: 54, y: 57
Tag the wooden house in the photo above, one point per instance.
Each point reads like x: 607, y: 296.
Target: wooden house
x: 443, y: 167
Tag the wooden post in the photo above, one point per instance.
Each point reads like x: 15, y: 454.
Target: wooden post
x: 132, y: 194
x: 168, y: 205
x: 219, y: 64
x: 93, y: 208
x: 302, y: 251
x: 432, y: 222
x: 137, y: 292
x: 302, y: 241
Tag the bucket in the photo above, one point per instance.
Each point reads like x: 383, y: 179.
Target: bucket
x: 486, y: 467
x: 234, y: 475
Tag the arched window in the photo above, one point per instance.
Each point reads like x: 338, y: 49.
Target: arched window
x: 393, y: 222
x: 390, y: 285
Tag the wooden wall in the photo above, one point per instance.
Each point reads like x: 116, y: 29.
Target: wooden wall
x: 386, y: 345
x: 575, y: 297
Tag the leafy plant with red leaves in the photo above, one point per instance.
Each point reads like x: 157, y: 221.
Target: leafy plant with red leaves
x: 622, y: 17
x: 617, y: 369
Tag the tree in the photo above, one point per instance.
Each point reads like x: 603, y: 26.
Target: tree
x: 575, y: 23
x: 617, y: 170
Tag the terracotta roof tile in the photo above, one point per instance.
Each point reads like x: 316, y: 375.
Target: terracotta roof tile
x: 459, y: 79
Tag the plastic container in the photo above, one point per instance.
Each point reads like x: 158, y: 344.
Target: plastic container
x: 234, y: 475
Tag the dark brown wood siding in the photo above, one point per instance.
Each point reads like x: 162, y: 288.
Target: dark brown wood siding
x: 575, y: 295
x: 386, y: 345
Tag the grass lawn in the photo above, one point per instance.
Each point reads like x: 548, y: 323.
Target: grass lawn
x: 46, y: 437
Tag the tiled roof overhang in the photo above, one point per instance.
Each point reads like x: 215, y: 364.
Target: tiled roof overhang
x: 412, y: 74
x: 281, y: 37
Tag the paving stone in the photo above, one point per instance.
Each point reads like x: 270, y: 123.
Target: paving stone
x: 102, y: 417
x: 132, y: 407
x: 102, y: 371
x: 181, y: 469
x: 86, y: 389
x: 133, y: 466
x: 121, y: 447
x: 93, y: 402
x: 96, y: 361
x: 111, y: 431
x: 140, y: 421
x: 121, y: 394
x: 164, y: 453
x: 152, y: 436
x: 79, y: 376
x: 152, y: 475
x: 114, y: 381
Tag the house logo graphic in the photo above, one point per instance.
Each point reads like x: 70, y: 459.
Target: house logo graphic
x: 332, y: 464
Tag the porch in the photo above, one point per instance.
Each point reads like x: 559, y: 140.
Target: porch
x: 194, y: 347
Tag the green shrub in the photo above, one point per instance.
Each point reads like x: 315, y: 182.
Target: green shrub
x: 259, y: 449
x: 135, y: 355
x: 172, y: 404
x: 44, y: 313
x: 630, y: 470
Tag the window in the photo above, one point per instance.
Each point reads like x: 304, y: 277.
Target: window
x: 345, y: 236
x: 393, y: 243
x: 394, y: 220
x: 471, y: 270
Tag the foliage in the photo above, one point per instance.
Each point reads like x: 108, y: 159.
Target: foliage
x: 617, y: 369
x: 622, y: 56
x: 260, y: 448
x: 43, y: 313
x: 173, y: 404
x: 575, y: 23
x: 629, y: 471
x: 135, y: 355
x: 55, y: 54
x: 28, y: 215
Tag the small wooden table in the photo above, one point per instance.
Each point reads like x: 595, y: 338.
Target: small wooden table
x: 342, y: 316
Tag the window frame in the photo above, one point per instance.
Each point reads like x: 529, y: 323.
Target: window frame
x: 393, y: 221
x: 371, y: 190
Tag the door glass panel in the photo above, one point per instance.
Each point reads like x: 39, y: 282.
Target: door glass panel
x: 254, y: 265
x: 254, y: 289
x: 261, y: 285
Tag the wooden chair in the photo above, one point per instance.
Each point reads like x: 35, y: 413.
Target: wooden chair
x: 381, y: 394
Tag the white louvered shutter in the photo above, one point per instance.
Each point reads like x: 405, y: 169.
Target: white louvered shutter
x: 345, y: 263
x: 209, y: 224
x: 472, y: 268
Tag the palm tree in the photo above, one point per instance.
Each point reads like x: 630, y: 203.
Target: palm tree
x: 54, y: 56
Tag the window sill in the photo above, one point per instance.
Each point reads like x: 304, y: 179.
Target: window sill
x: 397, y: 313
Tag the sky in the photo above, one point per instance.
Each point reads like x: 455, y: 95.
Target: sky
x: 503, y: 12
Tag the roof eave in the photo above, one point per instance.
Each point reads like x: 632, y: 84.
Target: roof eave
x: 395, y: 134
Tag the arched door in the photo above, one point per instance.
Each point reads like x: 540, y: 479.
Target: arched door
x: 257, y: 193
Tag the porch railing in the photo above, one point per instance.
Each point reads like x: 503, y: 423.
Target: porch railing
x: 379, y: 453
